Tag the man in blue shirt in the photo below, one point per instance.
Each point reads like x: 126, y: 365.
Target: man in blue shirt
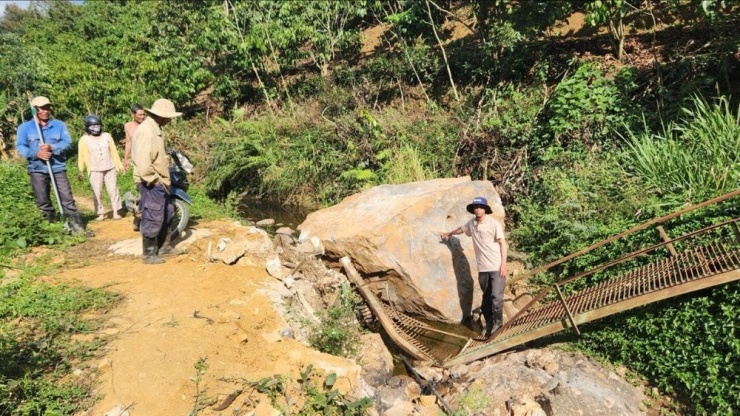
x: 56, y: 141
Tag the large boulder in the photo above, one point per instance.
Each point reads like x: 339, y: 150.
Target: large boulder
x: 393, y: 230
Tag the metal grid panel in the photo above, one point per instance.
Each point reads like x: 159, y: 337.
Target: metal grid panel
x: 689, y: 266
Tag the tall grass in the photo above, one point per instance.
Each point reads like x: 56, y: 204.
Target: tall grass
x: 697, y: 156
x: 406, y: 165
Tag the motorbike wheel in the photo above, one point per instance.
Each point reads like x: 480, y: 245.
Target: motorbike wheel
x: 131, y: 203
x: 182, y: 216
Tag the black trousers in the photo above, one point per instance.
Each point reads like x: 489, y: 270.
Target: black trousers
x: 41, y: 186
x: 157, y: 211
x: 492, y: 304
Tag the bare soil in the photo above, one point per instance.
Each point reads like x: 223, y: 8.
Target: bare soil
x: 173, y: 315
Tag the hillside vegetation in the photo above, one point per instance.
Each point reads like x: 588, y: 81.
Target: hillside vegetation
x: 588, y: 117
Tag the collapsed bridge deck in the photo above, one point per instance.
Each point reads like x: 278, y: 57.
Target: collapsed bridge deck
x: 706, y: 257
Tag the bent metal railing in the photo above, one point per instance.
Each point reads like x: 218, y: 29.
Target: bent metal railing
x: 696, y: 260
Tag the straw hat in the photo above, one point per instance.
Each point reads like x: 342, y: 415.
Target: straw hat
x: 40, y: 101
x: 163, y: 108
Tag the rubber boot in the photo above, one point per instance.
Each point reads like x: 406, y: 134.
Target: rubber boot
x: 78, y: 227
x: 50, y: 216
x: 149, y: 246
x: 164, y: 242
x: 492, y: 325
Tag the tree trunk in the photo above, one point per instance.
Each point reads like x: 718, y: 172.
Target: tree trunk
x: 262, y: 86
x: 444, y: 54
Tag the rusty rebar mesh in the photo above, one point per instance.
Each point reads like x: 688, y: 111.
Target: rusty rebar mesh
x: 688, y: 266
x: 410, y: 330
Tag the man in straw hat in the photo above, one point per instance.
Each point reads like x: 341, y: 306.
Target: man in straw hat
x: 43, y: 147
x: 152, y: 177
x: 490, y: 255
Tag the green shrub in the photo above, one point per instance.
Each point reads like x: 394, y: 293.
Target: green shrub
x: 338, y: 332
x: 688, y: 346
x: 579, y: 200
x: 585, y: 108
x: 304, y: 159
x: 426, y: 64
x: 37, y: 352
x: 21, y: 223
x: 206, y: 208
x: 510, y: 114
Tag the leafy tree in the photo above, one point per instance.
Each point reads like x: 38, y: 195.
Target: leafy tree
x: 328, y: 31
x: 255, y: 31
x: 101, y: 57
x: 185, y: 48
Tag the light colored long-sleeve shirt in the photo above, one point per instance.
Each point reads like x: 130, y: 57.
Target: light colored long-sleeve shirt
x: 104, y: 156
x: 149, y: 156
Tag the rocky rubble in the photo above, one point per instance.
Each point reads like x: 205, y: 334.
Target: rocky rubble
x: 537, y: 382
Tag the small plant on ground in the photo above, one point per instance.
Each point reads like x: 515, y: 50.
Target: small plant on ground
x: 472, y: 401
x: 201, y: 400
x: 323, y: 399
x: 338, y: 332
x: 309, y: 395
x: 21, y: 223
x: 172, y: 322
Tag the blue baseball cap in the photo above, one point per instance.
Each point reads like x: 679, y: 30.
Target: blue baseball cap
x: 479, y: 201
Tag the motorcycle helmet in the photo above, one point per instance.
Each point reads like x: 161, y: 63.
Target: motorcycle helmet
x: 93, y: 125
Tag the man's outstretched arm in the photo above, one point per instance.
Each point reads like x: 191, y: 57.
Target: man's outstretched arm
x: 456, y: 231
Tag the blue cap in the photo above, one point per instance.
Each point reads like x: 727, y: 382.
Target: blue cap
x: 479, y: 201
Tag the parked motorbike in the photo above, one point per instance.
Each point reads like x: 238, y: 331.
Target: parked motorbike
x: 180, y: 167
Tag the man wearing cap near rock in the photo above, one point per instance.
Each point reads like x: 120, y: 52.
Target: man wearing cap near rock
x: 50, y: 147
x: 152, y: 177
x: 490, y: 254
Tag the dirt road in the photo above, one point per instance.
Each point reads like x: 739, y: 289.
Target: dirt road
x: 183, y: 314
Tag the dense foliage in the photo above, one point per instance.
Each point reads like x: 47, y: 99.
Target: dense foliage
x: 21, y: 223
x: 687, y: 345
x: 583, y: 130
